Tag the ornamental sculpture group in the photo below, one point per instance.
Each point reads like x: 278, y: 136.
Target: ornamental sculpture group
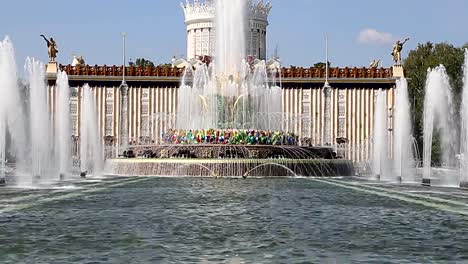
x: 229, y: 137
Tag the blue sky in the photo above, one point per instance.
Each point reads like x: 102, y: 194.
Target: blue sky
x: 156, y: 31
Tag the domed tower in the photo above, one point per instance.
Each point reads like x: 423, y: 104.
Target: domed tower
x: 200, y: 22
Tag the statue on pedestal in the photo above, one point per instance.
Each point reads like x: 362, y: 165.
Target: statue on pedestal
x: 396, y: 53
x: 52, y: 48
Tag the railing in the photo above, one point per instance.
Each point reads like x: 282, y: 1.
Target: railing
x: 300, y: 72
x: 167, y: 71
x: 105, y: 70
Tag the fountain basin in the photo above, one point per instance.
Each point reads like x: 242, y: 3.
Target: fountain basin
x: 228, y: 160
x: 442, y: 177
x: 229, y: 167
x: 217, y: 151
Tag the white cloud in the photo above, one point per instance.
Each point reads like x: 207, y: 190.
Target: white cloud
x: 372, y: 36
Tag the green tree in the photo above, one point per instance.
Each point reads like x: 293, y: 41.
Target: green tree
x: 144, y: 62
x: 419, y: 60
x: 321, y: 65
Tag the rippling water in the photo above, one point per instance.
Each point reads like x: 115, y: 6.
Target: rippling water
x: 201, y: 220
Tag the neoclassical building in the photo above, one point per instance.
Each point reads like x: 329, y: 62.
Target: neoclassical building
x: 200, y: 23
x: 152, y: 102
x: 151, y: 98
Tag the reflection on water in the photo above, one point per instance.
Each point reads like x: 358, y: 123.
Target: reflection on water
x: 204, y: 220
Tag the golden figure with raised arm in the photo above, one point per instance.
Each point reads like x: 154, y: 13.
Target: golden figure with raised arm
x: 396, y: 52
x: 52, y: 48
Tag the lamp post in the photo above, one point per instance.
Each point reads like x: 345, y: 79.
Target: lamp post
x: 327, y: 111
x: 123, y: 102
x: 124, y: 35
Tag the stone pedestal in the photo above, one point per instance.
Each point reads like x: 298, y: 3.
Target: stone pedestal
x: 52, y: 68
x: 398, y: 71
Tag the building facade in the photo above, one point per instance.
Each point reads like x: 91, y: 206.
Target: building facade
x: 153, y: 91
x: 151, y: 98
x: 200, y: 27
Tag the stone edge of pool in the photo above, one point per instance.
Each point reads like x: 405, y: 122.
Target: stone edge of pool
x: 230, y: 167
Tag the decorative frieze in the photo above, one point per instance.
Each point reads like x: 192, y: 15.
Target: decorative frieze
x: 109, y: 112
x: 74, y: 110
x: 341, y: 113
x: 286, y: 73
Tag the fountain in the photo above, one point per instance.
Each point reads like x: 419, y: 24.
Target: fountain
x: 40, y: 123
x: 234, y: 90
x: 400, y: 166
x: 464, y: 127
x: 380, y: 162
x: 11, y: 112
x: 438, y: 113
x: 230, y: 40
x: 403, y: 157
x: 63, y: 125
x: 37, y: 145
x: 91, y: 152
x: 229, y: 119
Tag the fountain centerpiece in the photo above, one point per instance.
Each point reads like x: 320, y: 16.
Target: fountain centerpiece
x: 229, y: 119
x: 233, y: 91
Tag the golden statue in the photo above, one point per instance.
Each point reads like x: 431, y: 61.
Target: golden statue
x: 52, y: 46
x: 374, y: 64
x: 397, y: 48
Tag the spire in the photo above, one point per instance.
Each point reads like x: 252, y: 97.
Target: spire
x: 326, y: 61
x: 327, y: 90
x: 123, y: 57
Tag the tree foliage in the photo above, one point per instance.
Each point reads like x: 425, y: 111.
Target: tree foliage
x: 144, y: 62
x: 321, y: 65
x: 427, y: 56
